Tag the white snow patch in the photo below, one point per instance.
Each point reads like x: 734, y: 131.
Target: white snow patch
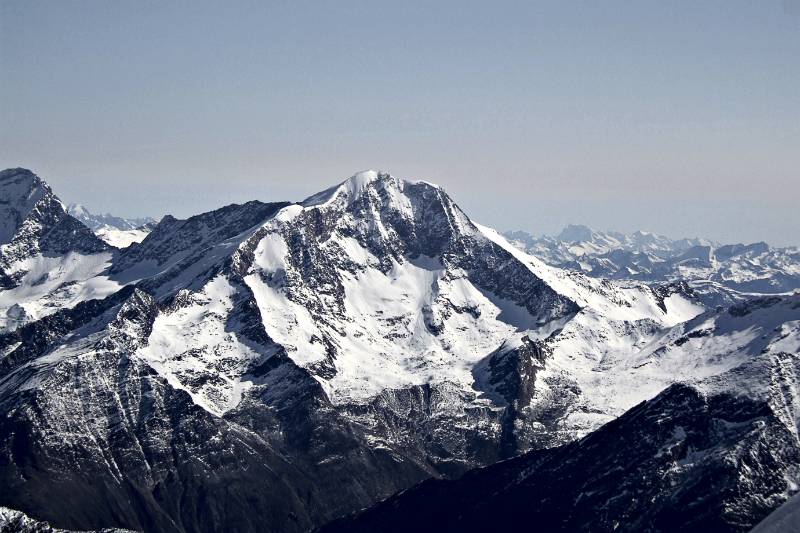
x: 53, y: 283
x: 121, y: 238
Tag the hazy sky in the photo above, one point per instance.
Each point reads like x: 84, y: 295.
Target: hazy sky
x: 676, y: 117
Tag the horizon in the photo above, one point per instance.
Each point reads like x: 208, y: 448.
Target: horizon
x: 554, y: 234
x: 681, y: 120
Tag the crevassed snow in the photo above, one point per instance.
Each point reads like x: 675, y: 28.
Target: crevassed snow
x: 616, y: 375
x: 388, y: 341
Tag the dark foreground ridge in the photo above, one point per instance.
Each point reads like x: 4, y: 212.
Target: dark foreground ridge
x: 673, y: 463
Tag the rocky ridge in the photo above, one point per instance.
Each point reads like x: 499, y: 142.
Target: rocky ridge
x: 309, y: 359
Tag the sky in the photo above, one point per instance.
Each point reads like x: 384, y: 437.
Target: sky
x: 681, y: 118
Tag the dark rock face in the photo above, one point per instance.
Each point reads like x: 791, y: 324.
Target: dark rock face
x: 509, y: 375
x: 674, y: 463
x: 175, y: 246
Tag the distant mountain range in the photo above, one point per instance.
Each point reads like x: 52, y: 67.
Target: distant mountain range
x: 752, y: 268
x: 116, y: 231
x: 279, y: 366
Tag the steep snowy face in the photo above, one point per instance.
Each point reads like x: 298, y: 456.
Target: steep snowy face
x: 384, y: 284
x: 48, y: 259
x: 380, y: 283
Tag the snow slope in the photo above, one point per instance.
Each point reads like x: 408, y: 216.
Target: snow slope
x: 356, y: 289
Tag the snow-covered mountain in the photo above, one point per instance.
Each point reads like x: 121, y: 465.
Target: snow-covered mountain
x: 48, y: 259
x: 750, y: 268
x: 116, y: 231
x: 271, y: 366
x: 717, y: 452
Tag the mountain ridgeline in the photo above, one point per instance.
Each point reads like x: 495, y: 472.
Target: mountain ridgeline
x: 755, y: 267
x: 279, y: 366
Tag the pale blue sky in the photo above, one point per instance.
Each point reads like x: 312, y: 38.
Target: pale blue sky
x: 676, y: 117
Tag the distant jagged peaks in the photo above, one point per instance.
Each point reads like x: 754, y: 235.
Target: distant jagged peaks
x: 649, y: 257
x: 116, y: 231
x: 576, y: 233
x: 106, y: 221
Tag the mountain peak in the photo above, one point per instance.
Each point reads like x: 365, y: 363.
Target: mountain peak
x: 19, y: 181
x: 20, y: 190
x: 10, y: 173
x: 351, y: 188
x: 33, y: 220
x: 365, y: 177
x: 97, y: 222
x: 576, y: 233
x: 78, y: 210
